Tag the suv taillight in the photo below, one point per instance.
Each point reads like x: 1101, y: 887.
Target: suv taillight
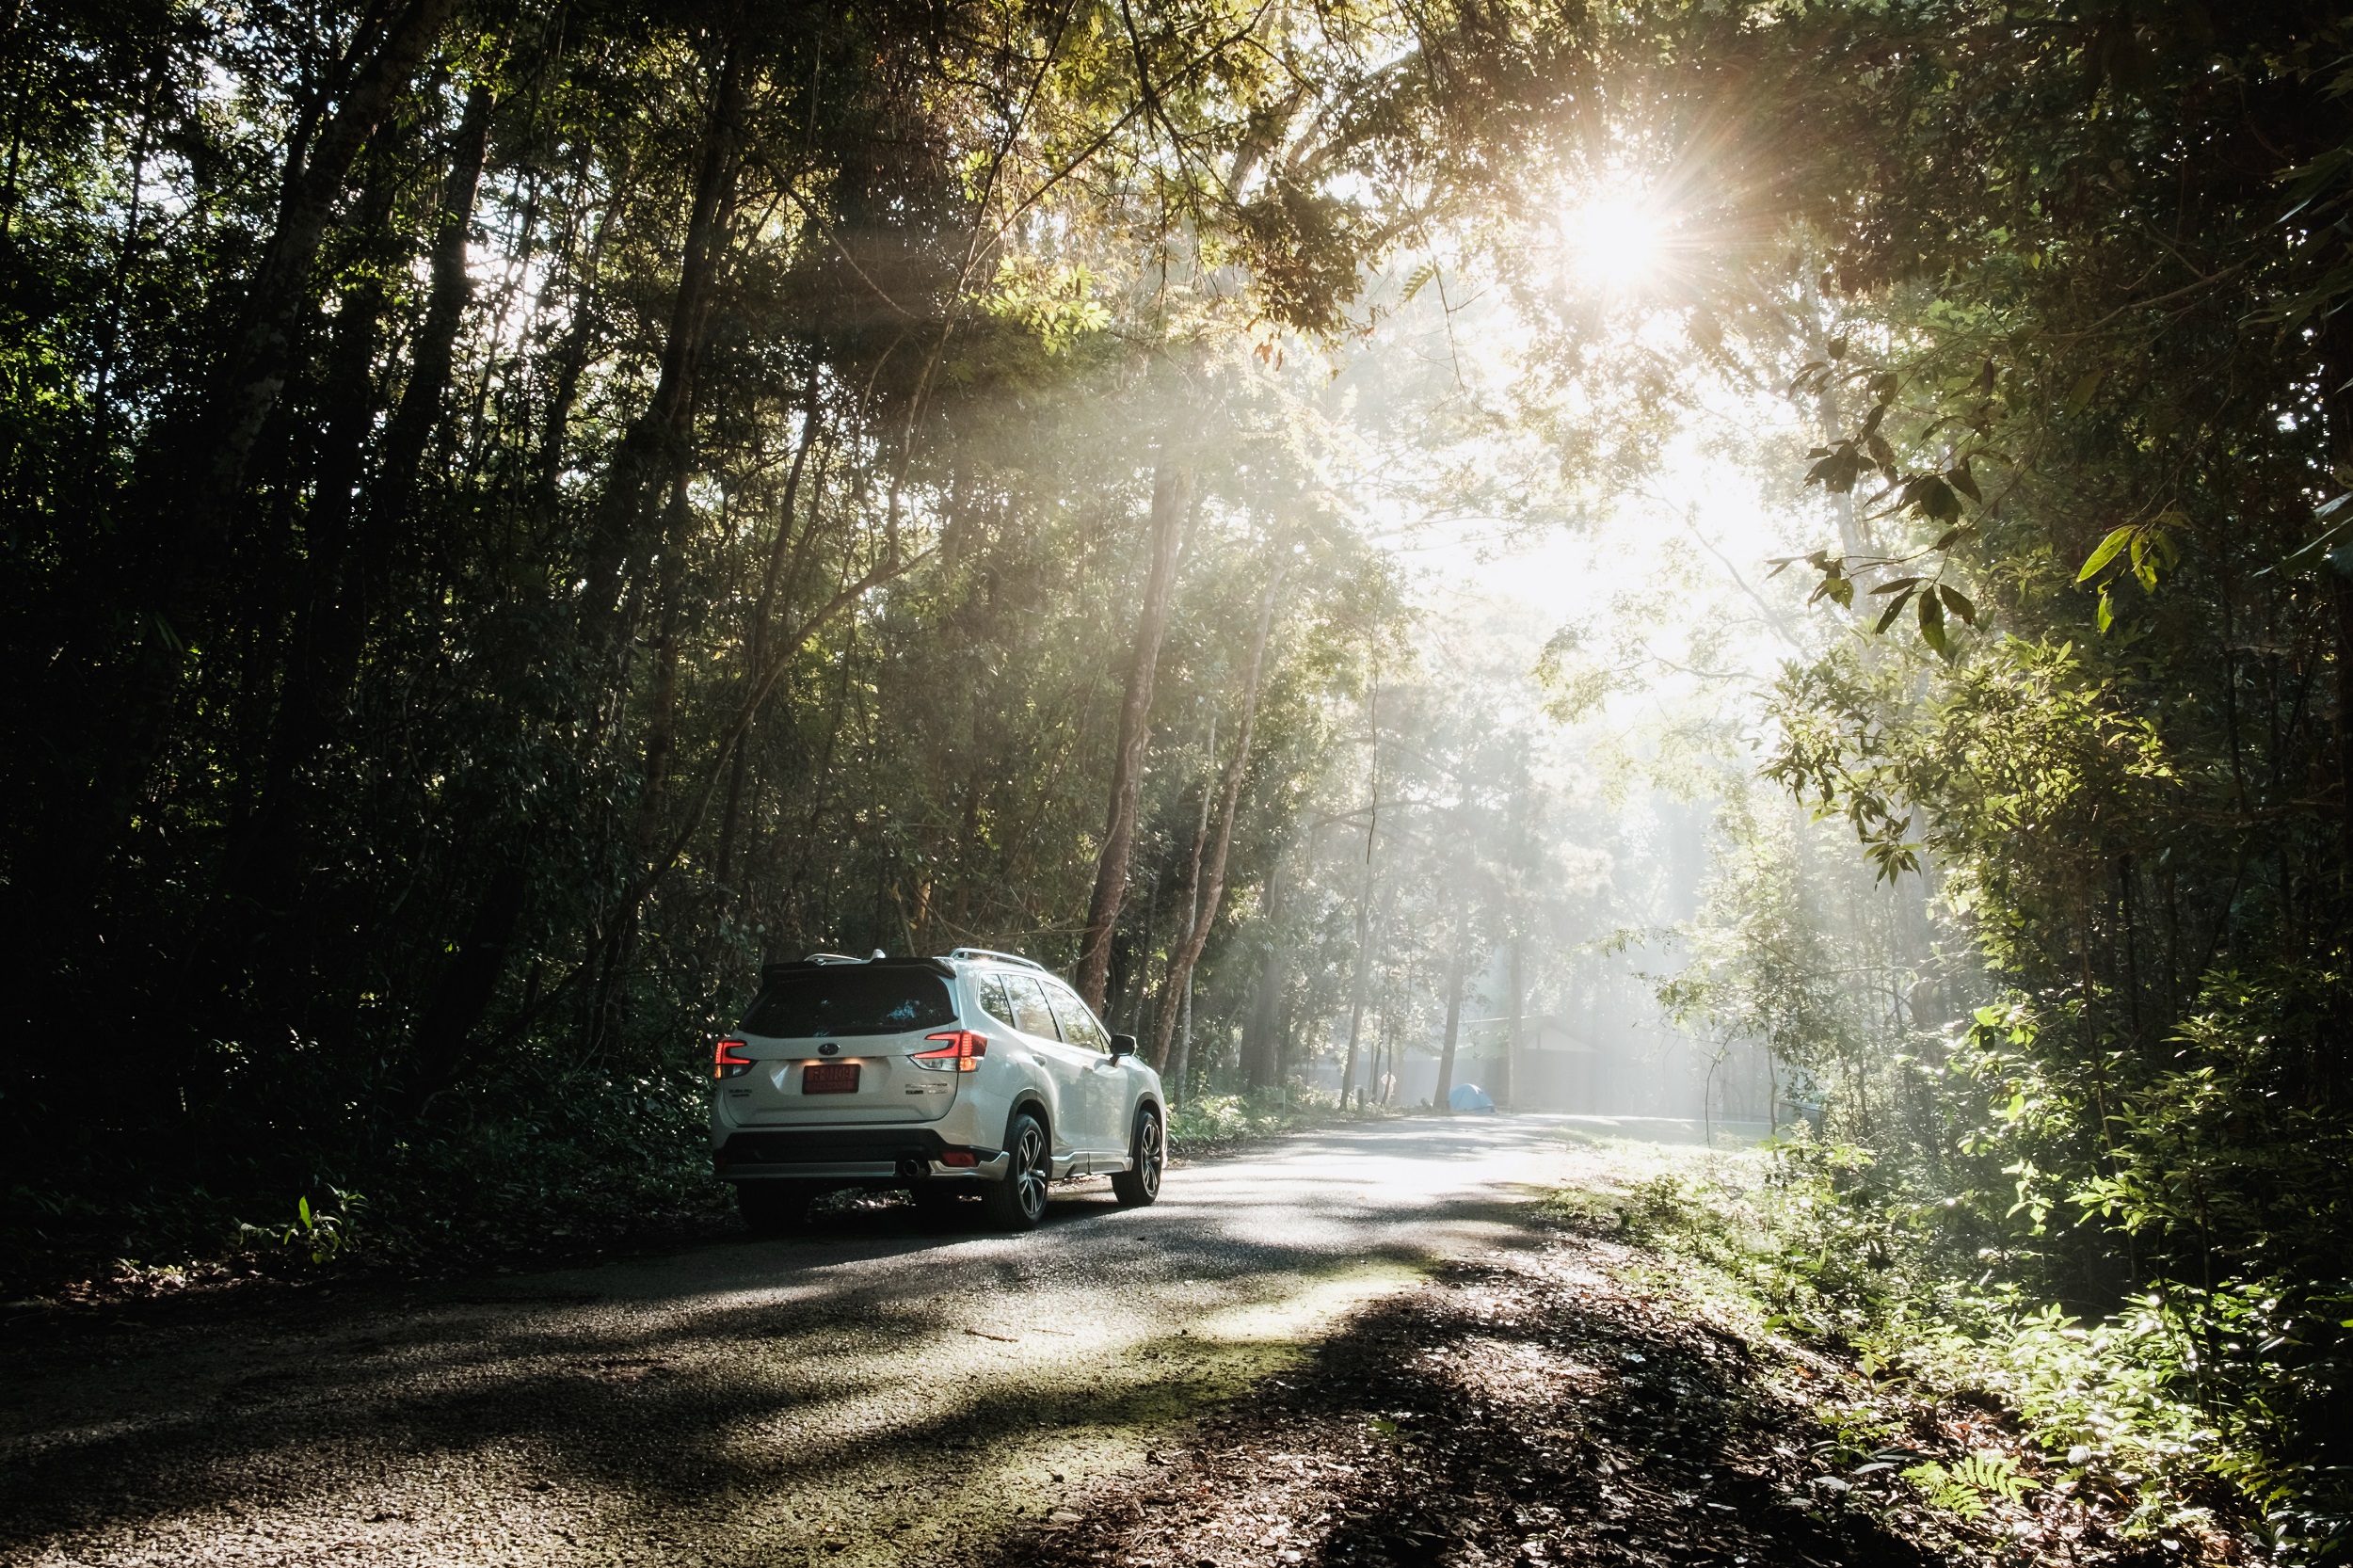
x: 960, y: 1054
x: 729, y: 1060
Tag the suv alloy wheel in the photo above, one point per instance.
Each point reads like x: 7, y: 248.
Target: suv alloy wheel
x: 1018, y: 1202
x: 1140, y: 1183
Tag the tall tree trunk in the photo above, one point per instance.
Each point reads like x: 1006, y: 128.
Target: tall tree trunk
x: 1161, y: 1020
x: 1138, y: 986
x: 1209, y: 880
x: 419, y: 411
x: 1508, y: 1088
x: 1456, y: 963
x: 1172, y: 500
x: 786, y: 561
x: 197, y: 551
x: 1364, y: 964
x: 265, y: 862
x: 662, y: 716
x: 657, y: 449
x: 1262, y: 1042
x: 346, y: 566
x: 654, y: 461
x: 571, y: 364
x: 110, y: 335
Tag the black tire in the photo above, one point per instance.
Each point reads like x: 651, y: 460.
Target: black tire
x: 774, y: 1208
x: 1018, y: 1202
x: 1147, y: 1156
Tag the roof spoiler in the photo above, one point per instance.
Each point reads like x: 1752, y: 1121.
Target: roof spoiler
x: 771, y: 974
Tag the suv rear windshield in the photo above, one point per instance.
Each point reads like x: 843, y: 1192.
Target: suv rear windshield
x: 849, y: 1000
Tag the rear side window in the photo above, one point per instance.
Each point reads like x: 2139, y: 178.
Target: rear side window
x: 1078, y: 1025
x: 995, y: 1003
x: 1031, y: 1015
x: 849, y: 1000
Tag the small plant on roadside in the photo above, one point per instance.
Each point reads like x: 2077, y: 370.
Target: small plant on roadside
x: 1971, y: 1486
x: 321, y: 1233
x: 1856, y: 1436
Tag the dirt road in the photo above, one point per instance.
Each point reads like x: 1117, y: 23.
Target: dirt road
x: 870, y: 1392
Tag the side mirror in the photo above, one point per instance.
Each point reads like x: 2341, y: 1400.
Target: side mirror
x: 1123, y: 1045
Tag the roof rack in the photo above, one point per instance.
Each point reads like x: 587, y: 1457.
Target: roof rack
x: 1000, y: 957
x: 830, y: 958
x: 937, y: 965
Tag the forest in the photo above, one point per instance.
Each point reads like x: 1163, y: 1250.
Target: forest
x: 518, y: 511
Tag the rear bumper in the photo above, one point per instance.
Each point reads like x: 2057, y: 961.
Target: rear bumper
x: 882, y: 1154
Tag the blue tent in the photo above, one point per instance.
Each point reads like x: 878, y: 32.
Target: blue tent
x: 1471, y: 1097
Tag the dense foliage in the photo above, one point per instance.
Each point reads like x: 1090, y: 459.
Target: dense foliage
x: 515, y: 514
x: 518, y: 513
x: 2079, y: 387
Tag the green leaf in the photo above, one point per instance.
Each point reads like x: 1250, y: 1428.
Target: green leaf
x: 2313, y: 553
x: 2107, y: 615
x: 1838, y: 348
x: 2109, y: 547
x: 1838, y: 472
x: 302, y: 1207
x: 1935, y: 499
x: 1899, y: 584
x: 1894, y: 608
x: 1932, y: 625
x: 1963, y: 480
x: 2086, y: 388
x: 1958, y: 603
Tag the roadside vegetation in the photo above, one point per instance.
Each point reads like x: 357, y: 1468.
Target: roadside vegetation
x: 1208, y: 1123
x: 2166, y: 1418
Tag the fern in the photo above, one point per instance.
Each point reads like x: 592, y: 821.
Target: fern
x: 1971, y: 1486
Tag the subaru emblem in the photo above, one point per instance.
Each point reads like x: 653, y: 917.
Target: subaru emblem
x: 828, y: 1049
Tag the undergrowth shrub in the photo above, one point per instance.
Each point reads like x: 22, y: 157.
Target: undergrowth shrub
x: 2197, y: 1405
x: 1207, y: 1121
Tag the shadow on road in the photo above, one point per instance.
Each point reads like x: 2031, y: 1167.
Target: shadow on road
x: 1505, y: 1415
x: 731, y: 1395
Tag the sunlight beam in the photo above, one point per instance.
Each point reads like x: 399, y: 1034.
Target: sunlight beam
x: 1614, y: 242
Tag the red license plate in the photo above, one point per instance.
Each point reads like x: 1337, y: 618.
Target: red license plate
x: 829, y: 1077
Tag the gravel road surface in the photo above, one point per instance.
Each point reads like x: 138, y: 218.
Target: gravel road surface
x: 868, y: 1392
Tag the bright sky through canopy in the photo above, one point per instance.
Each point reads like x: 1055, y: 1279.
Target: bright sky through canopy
x: 1614, y: 241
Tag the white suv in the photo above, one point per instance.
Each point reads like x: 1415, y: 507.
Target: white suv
x: 979, y: 1071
